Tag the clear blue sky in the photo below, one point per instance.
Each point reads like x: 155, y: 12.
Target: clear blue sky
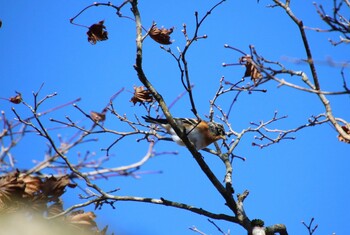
x: 288, y: 182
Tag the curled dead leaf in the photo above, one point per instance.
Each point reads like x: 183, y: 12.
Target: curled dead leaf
x: 252, y: 70
x: 161, y: 35
x: 17, y: 99
x: 11, y: 189
x: 54, y: 187
x: 98, y: 117
x: 141, y: 95
x: 97, y: 33
x: 347, y: 131
x: 84, y: 219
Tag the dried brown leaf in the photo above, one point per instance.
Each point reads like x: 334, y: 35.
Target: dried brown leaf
x: 347, y: 131
x: 54, y: 187
x: 17, y: 99
x: 11, y: 189
x: 34, y: 198
x: 141, y: 95
x: 18, y: 191
x: 32, y: 185
x: 84, y: 219
x: 251, y: 68
x: 98, y: 117
x: 162, y: 35
x: 97, y: 32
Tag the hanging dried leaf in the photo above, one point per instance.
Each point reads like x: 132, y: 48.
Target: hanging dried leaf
x: 162, y: 35
x: 141, y: 95
x: 16, y: 99
x: 98, y: 117
x: 97, y: 33
x: 347, y: 131
x: 84, y: 219
x: 0, y: 23
x: 251, y: 69
x: 54, y: 187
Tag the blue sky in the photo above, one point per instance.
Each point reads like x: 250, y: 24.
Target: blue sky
x: 288, y: 182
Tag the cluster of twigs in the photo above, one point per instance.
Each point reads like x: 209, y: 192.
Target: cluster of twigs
x: 259, y: 69
x: 337, y: 22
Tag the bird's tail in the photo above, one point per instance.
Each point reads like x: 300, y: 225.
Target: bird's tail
x: 155, y: 120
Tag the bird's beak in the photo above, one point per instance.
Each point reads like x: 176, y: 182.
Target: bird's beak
x: 223, y: 137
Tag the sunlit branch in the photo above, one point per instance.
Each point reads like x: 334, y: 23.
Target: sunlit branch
x: 282, y: 82
x: 135, y: 165
x: 194, y: 229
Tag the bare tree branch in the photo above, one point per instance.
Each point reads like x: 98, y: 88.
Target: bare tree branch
x: 300, y: 25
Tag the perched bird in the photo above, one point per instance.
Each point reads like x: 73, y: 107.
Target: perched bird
x: 201, y: 134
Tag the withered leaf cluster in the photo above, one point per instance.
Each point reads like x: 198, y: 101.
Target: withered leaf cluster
x: 162, y: 35
x: 19, y: 192
x: 252, y: 70
x: 97, y: 33
x: 141, y: 95
x: 347, y: 131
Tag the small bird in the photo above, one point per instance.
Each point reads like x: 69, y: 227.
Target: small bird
x: 200, y: 133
